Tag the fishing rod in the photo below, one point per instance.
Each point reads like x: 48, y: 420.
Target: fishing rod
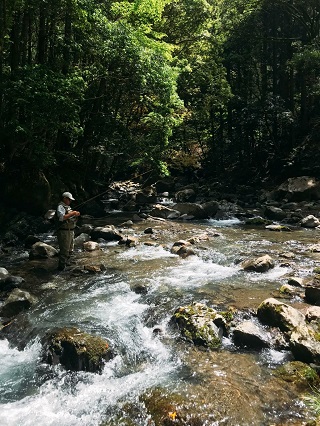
x: 51, y: 213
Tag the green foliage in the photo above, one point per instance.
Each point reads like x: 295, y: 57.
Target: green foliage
x: 45, y: 106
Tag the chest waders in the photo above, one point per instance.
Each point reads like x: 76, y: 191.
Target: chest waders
x: 65, y: 235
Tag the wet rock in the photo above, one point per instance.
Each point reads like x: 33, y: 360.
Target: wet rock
x: 94, y: 269
x: 145, y: 197
x: 296, y: 281
x: 148, y: 231
x: 251, y: 335
x: 76, y: 350
x: 186, y: 195
x: 9, y: 282
x: 91, y: 246
x: 30, y: 240
x: 290, y: 290
x: 140, y: 288
x: 305, y: 345
x: 300, y: 188
x: 17, y: 301
x: 165, y: 185
x: 182, y: 248
x: 298, y: 373
x: 3, y: 272
x: 278, y: 228
x: 81, y: 239
x: 86, y: 228
x: 164, y: 212
x: 277, y: 314
x: 313, y: 314
x: 261, y: 264
x: 108, y: 233
x: 129, y: 241
x: 210, y: 208
x: 200, y: 324
x: 274, y: 213
x: 312, y: 291
x: 258, y: 220
x: 42, y: 250
x: 191, y: 209
x: 310, y: 221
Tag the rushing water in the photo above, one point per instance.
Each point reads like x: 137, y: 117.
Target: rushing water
x: 225, y: 387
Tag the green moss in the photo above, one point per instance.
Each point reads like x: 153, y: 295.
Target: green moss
x: 298, y: 373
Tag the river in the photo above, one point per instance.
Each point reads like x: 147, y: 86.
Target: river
x: 154, y: 377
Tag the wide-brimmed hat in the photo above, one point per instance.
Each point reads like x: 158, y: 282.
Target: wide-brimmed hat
x: 67, y: 195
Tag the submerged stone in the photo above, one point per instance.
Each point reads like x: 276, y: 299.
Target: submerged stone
x: 76, y: 350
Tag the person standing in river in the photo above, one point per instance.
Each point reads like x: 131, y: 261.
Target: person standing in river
x: 66, y: 223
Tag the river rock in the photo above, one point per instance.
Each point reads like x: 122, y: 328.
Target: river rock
x: 310, y: 221
x: 76, y: 350
x: 299, y: 373
x: 42, y: 250
x: 274, y: 213
x: 313, y: 314
x: 278, y: 228
x: 186, y: 195
x: 261, y: 264
x: 3, y: 272
x: 145, y: 197
x: 81, y: 239
x: 251, y: 335
x: 277, y: 314
x: 211, y: 208
x: 9, y: 282
x: 17, y: 301
x: 182, y: 248
x: 91, y: 246
x: 300, y: 188
x: 108, y: 233
x: 312, y: 291
x: 164, y: 212
x: 191, y: 209
x: 200, y: 324
x: 305, y: 345
x: 296, y: 281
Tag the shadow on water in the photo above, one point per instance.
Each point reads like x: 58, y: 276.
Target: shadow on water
x: 154, y: 375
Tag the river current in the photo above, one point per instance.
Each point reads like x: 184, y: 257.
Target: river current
x: 156, y: 375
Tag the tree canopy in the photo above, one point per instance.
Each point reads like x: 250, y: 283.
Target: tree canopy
x: 228, y: 87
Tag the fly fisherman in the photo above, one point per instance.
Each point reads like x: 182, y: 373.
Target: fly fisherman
x: 66, y: 222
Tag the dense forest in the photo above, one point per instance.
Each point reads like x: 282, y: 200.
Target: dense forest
x: 93, y: 91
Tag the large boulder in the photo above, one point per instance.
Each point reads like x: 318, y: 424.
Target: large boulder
x: 261, y: 264
x: 274, y: 213
x: 17, y: 301
x: 108, y: 233
x: 312, y: 291
x: 186, y: 195
x: 182, y: 248
x: 300, y: 188
x: 251, y: 335
x: 164, y: 212
x: 42, y: 250
x: 200, y: 324
x: 191, y: 209
x: 76, y: 350
x: 310, y: 221
x: 277, y: 314
x: 9, y: 282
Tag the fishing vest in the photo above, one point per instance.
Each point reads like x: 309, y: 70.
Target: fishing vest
x: 67, y: 225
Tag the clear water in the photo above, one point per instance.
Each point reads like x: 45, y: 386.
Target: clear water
x: 226, y: 387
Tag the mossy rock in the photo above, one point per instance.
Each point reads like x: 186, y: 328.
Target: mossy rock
x: 299, y: 373
x: 76, y: 350
x: 200, y: 324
